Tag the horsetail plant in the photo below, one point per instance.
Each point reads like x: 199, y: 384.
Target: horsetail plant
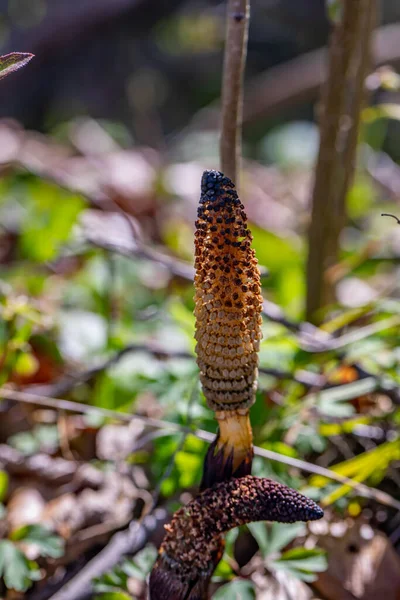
x: 191, y: 546
x: 228, y: 306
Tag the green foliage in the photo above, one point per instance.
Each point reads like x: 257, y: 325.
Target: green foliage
x: 334, y: 9
x: 301, y: 562
x: 3, y: 485
x: 271, y: 539
x: 114, y: 585
x: 48, y: 543
x: 114, y: 596
x: 371, y: 465
x: 17, y: 571
x: 50, y: 215
x: 240, y: 589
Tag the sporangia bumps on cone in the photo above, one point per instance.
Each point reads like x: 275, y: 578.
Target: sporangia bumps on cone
x: 228, y: 299
x: 187, y: 555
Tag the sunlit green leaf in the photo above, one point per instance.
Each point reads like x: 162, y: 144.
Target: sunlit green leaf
x: 302, y: 562
x: 114, y: 596
x: 3, y: 485
x: 51, y: 213
x: 17, y: 571
x: 48, y: 543
x: 274, y: 537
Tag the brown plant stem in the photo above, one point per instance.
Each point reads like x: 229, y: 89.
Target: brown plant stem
x: 187, y: 555
x: 237, y: 27
x: 342, y: 100
x: 231, y: 453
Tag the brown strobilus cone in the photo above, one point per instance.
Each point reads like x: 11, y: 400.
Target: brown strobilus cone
x: 228, y: 306
x: 188, y: 553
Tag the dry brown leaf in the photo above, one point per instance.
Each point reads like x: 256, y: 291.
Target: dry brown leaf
x: 362, y: 563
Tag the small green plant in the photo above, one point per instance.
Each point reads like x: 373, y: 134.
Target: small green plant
x: 16, y: 569
x: 114, y: 585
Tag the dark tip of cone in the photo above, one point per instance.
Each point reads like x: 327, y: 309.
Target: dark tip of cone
x: 311, y: 510
x: 304, y: 509
x: 315, y: 513
x: 212, y: 180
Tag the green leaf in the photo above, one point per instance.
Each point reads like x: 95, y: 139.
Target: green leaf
x: 239, y: 589
x: 26, y: 364
x: 372, y: 465
x: 360, y: 468
x: 381, y: 111
x: 50, y: 214
x: 306, y: 558
x: 9, y: 63
x: 189, y: 466
x: 49, y: 544
x: 259, y: 533
x: 303, y: 563
x: 3, y: 485
x: 276, y: 252
x: 142, y: 564
x: 359, y: 201
x: 184, y: 318
x: 230, y: 541
x: 17, y: 571
x: 223, y: 572
x: 278, y: 536
x: 334, y: 9
x: 114, y: 596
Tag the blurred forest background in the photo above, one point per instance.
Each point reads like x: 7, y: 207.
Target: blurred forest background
x: 103, y: 140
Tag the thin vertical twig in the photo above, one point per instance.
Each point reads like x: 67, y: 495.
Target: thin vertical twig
x: 343, y: 98
x: 237, y: 27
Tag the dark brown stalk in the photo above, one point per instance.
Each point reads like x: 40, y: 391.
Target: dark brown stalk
x: 187, y: 555
x: 228, y: 305
x: 237, y: 27
x: 342, y: 101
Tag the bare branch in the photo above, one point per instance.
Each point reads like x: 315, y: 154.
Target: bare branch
x: 238, y: 17
x: 342, y: 100
x: 129, y: 541
x: 77, y: 407
x: 389, y: 215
